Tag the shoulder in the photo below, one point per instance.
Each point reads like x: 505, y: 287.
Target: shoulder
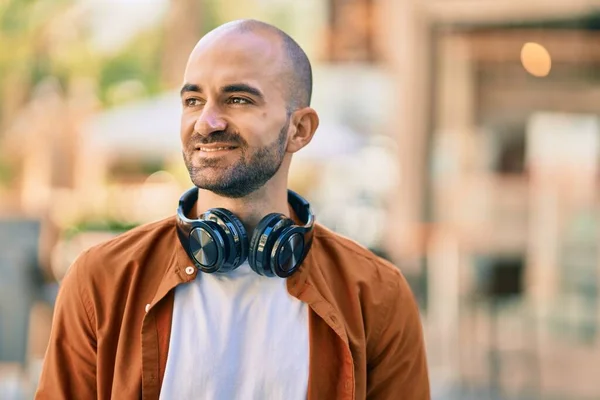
x: 136, y: 239
x: 341, y: 259
x: 371, y: 294
x: 126, y: 270
x: 128, y: 251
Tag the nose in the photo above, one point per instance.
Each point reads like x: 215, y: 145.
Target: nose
x: 209, y: 121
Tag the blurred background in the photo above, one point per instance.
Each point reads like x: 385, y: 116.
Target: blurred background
x: 460, y: 139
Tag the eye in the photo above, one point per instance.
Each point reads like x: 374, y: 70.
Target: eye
x: 192, y: 102
x: 239, y: 100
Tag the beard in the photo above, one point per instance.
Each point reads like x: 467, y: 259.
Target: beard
x: 247, y: 174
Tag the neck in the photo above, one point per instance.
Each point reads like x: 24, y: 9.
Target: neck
x: 271, y: 198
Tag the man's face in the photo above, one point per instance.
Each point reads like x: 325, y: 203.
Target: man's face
x: 234, y: 124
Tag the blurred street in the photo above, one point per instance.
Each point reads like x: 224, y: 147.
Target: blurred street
x: 460, y: 139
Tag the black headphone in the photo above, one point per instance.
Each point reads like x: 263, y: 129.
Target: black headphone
x: 217, y: 241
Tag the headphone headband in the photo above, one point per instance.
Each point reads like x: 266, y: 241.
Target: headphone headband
x: 299, y: 204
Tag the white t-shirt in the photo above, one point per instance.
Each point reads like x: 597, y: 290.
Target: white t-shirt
x: 237, y: 336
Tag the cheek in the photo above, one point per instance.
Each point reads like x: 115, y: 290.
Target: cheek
x: 187, y: 126
x: 262, y: 131
x: 261, y: 136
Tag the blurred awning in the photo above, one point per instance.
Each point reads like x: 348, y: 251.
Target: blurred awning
x: 148, y: 127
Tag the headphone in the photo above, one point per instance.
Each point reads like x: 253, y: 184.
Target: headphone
x: 217, y: 241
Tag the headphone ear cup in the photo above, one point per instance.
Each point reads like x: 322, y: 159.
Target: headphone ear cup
x: 235, y: 234
x: 205, y: 245
x: 263, y: 239
x: 288, y: 251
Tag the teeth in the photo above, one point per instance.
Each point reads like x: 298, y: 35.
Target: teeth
x: 214, y: 149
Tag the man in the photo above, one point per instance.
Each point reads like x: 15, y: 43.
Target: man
x: 195, y: 307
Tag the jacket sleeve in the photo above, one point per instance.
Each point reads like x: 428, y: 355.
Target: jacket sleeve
x: 397, y: 366
x: 69, y: 369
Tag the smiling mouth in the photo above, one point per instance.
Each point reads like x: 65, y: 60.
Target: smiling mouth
x: 211, y: 149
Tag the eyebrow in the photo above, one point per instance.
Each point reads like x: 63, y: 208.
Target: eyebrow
x: 190, y: 87
x: 242, y: 88
x: 233, y: 88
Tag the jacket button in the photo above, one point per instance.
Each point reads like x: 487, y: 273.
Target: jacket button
x: 189, y: 270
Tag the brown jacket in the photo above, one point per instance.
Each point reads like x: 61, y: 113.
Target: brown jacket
x: 112, y: 321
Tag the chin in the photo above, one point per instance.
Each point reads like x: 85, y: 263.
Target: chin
x: 231, y: 192
x: 207, y: 180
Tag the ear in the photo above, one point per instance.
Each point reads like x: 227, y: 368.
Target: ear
x: 305, y: 122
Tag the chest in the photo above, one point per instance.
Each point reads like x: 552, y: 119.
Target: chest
x: 237, y: 336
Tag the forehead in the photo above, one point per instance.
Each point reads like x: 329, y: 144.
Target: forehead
x: 234, y: 58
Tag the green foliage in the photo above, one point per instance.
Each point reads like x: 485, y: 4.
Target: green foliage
x: 15, y: 18
x: 6, y: 173
x: 27, y: 55
x: 31, y: 48
x: 139, y: 60
x: 209, y: 18
x: 99, y: 225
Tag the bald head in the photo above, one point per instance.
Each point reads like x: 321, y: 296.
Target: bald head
x: 295, y: 71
